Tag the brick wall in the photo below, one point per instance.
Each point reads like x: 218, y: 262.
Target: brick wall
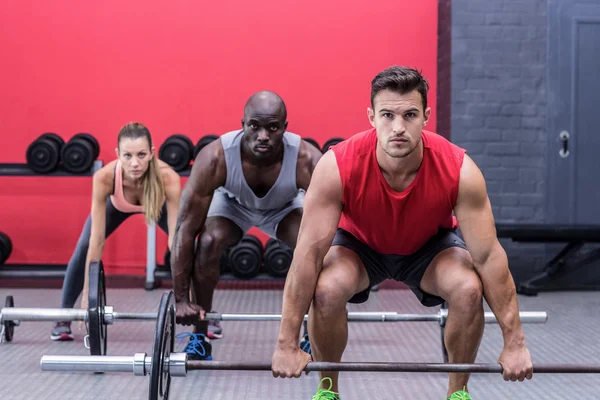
x: 499, y: 108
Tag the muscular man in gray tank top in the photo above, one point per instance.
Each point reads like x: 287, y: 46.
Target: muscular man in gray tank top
x: 255, y: 176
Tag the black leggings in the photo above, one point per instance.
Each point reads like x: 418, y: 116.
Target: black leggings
x: 75, y: 274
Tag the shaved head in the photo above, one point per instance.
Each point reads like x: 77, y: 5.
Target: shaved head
x: 264, y: 123
x: 266, y: 103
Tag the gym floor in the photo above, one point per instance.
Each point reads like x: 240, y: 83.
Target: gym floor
x: 569, y: 336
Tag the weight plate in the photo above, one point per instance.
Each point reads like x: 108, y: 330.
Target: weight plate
x: 177, y: 151
x: 97, y: 300
x: 92, y: 141
x: 278, y: 258
x: 9, y: 326
x: 43, y: 154
x: 245, y: 258
x: 78, y: 155
x: 5, y: 247
x: 203, y: 142
x: 56, y: 138
x: 189, y: 145
x: 164, y: 345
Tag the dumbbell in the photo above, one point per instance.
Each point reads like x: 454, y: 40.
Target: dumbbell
x: 5, y: 247
x: 177, y: 151
x: 278, y: 258
x: 313, y: 142
x: 245, y: 257
x: 331, y: 142
x: 44, y: 153
x: 203, y: 142
x: 79, y: 153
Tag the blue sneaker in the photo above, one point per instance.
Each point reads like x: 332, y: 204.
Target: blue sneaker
x: 305, y: 344
x: 198, y: 347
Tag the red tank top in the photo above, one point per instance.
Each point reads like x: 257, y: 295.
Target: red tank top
x: 392, y: 222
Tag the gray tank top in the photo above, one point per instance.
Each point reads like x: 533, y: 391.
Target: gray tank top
x: 282, y: 192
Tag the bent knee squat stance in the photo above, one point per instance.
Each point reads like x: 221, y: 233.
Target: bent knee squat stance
x: 425, y: 186
x: 135, y: 183
x: 343, y: 276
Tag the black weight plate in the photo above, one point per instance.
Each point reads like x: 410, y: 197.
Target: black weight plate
x: 203, y: 142
x: 43, y: 154
x: 254, y: 240
x: 97, y: 300
x: 189, y: 145
x: 92, y: 141
x: 56, y: 138
x: 9, y: 326
x: 331, y: 142
x: 245, y: 258
x: 278, y: 258
x: 177, y: 151
x: 164, y: 345
x: 313, y: 142
x: 5, y: 247
x: 244, y: 262
x: 78, y: 155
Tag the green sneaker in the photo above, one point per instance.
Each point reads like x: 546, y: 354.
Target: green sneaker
x: 326, y: 394
x: 460, y: 395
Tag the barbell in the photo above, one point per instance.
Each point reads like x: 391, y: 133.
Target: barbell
x: 164, y: 362
x: 99, y: 315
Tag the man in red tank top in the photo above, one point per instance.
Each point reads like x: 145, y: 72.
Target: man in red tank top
x: 380, y: 206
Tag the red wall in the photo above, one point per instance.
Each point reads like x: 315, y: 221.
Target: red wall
x: 180, y: 66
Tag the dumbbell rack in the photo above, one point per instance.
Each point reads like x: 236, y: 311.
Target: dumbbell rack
x: 43, y: 271
x: 54, y: 271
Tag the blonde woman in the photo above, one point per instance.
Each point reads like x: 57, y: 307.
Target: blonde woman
x: 137, y: 182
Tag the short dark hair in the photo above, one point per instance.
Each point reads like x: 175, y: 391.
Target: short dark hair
x: 400, y: 80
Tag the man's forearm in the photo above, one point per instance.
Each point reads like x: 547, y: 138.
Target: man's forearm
x: 182, y: 263
x: 500, y: 293
x: 297, y: 296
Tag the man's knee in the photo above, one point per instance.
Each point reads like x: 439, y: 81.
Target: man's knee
x: 333, y: 291
x: 212, y: 245
x: 469, y: 292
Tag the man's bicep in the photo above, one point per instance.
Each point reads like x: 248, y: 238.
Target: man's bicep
x: 322, y: 206
x: 474, y: 212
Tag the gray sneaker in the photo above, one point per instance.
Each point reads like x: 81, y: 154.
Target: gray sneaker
x: 215, y: 330
x: 62, y: 331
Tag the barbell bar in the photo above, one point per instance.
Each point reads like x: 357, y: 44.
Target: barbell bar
x: 164, y: 362
x: 110, y: 316
x: 178, y: 365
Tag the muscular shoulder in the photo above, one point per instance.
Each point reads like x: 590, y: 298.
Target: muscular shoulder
x: 308, y: 155
x: 210, y: 166
x: 471, y: 187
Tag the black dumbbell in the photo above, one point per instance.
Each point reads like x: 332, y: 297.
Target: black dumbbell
x: 43, y: 154
x: 5, y: 247
x: 331, y: 142
x: 313, y: 142
x: 177, y: 151
x: 203, y: 142
x: 245, y: 258
x: 278, y: 258
x: 79, y: 153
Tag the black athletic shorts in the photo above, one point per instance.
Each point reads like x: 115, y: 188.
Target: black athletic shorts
x: 407, y: 269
